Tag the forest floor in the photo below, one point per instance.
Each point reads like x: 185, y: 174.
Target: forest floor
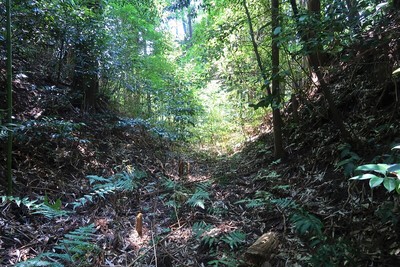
x: 198, y: 209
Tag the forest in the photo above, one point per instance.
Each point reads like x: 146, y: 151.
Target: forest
x: 164, y: 133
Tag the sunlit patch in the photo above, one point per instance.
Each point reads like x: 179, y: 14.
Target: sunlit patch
x: 135, y: 242
x: 181, y: 236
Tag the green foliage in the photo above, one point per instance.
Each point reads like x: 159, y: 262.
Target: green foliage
x: 306, y: 224
x: 378, y: 174
x: 387, y: 212
x: 48, y: 210
x: 125, y: 181
x: 55, y: 206
x: 74, y: 249
x: 262, y: 199
x: 50, y: 128
x: 210, y: 235
x: 327, y: 254
x: 234, y: 239
x: 3, y: 132
x: 200, y: 196
x: 252, y: 203
x: 348, y: 161
x: 202, y: 231
x: 285, y: 203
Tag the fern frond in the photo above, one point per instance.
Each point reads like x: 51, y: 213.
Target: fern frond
x: 75, y: 245
x: 234, y: 239
x: 36, y: 208
x: 48, y: 211
x: 285, y: 203
x: 198, y: 198
x: 306, y: 223
x: 125, y: 181
x: 169, y: 184
x: 199, y: 228
x: 252, y: 203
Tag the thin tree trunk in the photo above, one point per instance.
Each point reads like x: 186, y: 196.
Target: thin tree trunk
x: 255, y: 46
x: 190, y: 26
x: 9, y: 99
x: 295, y: 108
x: 276, y: 115
x: 60, y: 59
x: 276, y: 119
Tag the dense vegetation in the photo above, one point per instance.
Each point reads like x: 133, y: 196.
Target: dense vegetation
x: 177, y: 132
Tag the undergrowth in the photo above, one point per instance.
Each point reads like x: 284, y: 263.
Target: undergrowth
x: 78, y: 247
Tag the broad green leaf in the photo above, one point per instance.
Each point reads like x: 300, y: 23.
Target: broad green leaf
x: 364, y: 176
x: 376, y: 181
x: 389, y: 184
x: 394, y: 168
x: 381, y: 168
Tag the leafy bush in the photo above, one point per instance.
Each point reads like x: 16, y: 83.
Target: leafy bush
x: 377, y: 174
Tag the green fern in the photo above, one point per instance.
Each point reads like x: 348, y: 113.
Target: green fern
x: 73, y: 250
x: 125, y: 181
x: 202, y: 231
x: 78, y: 242
x: 200, y: 196
x: 306, y: 223
x: 285, y: 203
x: 170, y: 184
x: 252, y: 203
x: 44, y: 209
x: 199, y: 228
x: 234, y: 239
x: 205, y: 232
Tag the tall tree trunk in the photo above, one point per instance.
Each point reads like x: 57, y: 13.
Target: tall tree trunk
x: 276, y: 119
x: 9, y: 99
x: 276, y: 115
x: 86, y: 77
x: 86, y: 74
x: 315, y: 60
